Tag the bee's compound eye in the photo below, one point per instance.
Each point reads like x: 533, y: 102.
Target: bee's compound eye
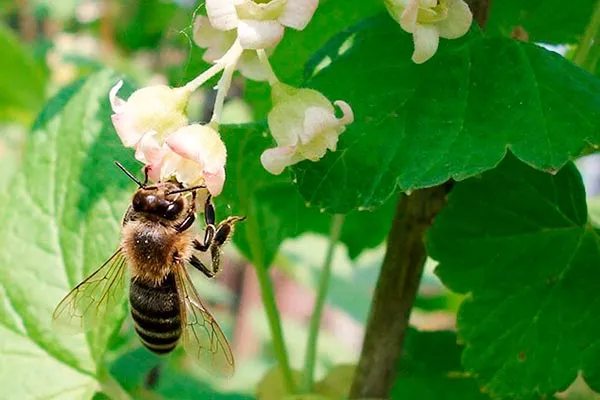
x: 173, y: 210
x: 138, y: 202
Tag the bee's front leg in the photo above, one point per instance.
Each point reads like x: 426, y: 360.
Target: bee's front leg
x: 189, y: 219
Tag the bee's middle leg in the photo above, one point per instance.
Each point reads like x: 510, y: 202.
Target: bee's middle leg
x: 189, y: 219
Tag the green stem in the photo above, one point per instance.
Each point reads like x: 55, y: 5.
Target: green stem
x: 268, y: 298
x: 264, y: 60
x: 588, y: 39
x: 315, y: 323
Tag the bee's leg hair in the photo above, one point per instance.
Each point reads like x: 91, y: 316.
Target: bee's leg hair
x: 199, y: 265
x: 225, y: 229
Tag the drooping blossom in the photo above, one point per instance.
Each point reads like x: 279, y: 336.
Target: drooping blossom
x: 428, y: 20
x: 260, y: 24
x: 304, y: 125
x: 157, y: 109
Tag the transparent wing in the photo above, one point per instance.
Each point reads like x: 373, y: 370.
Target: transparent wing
x: 202, y: 337
x: 88, y: 303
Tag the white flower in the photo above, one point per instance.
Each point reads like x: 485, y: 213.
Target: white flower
x: 260, y: 24
x: 304, y: 125
x: 157, y: 109
x: 427, y: 20
x: 217, y: 43
x: 195, y: 155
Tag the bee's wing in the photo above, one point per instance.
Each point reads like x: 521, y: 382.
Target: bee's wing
x: 203, y: 339
x: 87, y: 304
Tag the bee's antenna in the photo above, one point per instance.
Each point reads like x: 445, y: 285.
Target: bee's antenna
x: 187, y: 189
x: 130, y: 175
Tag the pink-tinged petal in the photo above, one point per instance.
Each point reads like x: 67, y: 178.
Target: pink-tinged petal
x: 298, y: 13
x: 277, y: 159
x: 316, y: 121
x: 458, y: 21
x: 124, y: 125
x: 200, y: 144
x: 215, y: 181
x: 116, y: 102
x: 149, y: 150
x: 347, y: 113
x: 153, y: 172
x: 426, y: 39
x: 408, y: 18
x: 222, y: 14
x: 254, y: 34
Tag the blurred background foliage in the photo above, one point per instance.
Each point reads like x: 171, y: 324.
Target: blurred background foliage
x: 48, y: 47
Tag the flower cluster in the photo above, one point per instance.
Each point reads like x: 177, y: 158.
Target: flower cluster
x: 238, y: 35
x: 427, y: 20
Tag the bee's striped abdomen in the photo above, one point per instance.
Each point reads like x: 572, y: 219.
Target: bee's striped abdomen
x: 155, y: 311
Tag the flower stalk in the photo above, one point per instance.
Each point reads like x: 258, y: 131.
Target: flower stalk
x: 310, y: 358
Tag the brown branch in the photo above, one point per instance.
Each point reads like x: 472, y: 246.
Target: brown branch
x: 395, y: 292
x: 399, y: 279
x: 27, y: 22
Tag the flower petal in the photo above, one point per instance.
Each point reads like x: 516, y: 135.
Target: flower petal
x: 222, y: 14
x: 426, y: 39
x: 201, y: 144
x: 458, y: 21
x: 285, y: 123
x: 215, y: 181
x: 316, y: 121
x: 408, y: 18
x: 250, y: 66
x: 298, y: 13
x: 347, y: 113
x: 149, y: 151
x: 254, y: 34
x: 277, y: 159
x: 116, y: 102
x: 124, y: 125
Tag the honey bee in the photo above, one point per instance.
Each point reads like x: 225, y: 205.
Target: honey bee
x: 156, y: 243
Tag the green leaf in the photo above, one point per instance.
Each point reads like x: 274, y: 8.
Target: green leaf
x: 453, y: 117
x: 541, y: 20
x: 60, y: 222
x: 273, y: 206
x: 519, y: 243
x: 430, y: 369
x: 22, y: 82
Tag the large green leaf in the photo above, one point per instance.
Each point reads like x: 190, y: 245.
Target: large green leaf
x: 22, y: 82
x: 452, y: 117
x: 430, y: 369
x: 274, y: 208
x: 519, y: 243
x: 545, y: 21
x: 61, y: 219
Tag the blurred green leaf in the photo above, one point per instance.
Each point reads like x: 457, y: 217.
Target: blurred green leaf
x: 541, y: 19
x: 143, y: 24
x: 22, y: 82
x: 430, y: 369
x: 337, y: 383
x: 272, y: 386
x: 60, y: 222
x: 519, y: 243
x: 416, y: 127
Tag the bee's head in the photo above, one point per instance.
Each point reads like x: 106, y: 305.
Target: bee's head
x: 162, y: 200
